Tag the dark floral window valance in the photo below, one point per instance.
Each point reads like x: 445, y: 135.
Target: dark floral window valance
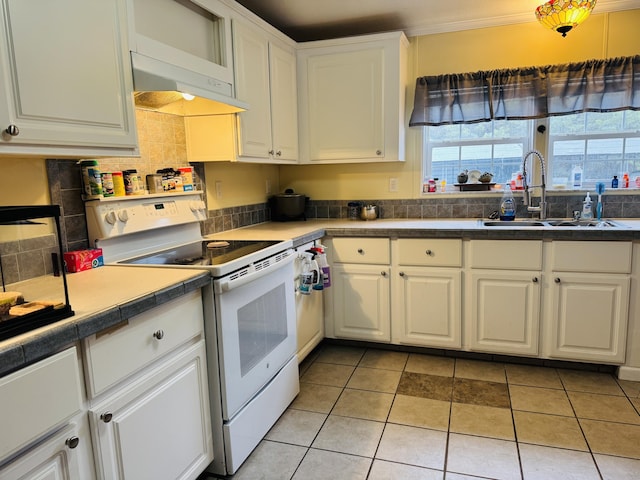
x: 524, y: 93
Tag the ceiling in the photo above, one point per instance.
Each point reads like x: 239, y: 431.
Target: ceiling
x: 305, y: 20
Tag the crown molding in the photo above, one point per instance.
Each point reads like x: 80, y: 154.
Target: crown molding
x: 502, y: 20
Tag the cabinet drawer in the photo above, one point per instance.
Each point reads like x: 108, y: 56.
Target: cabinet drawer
x: 506, y: 254
x: 29, y: 410
x: 430, y: 252
x: 600, y: 257
x: 361, y: 250
x: 115, y: 353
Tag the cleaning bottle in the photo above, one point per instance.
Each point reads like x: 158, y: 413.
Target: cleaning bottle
x: 309, y: 275
x: 576, y: 176
x: 587, y: 212
x: 507, y: 205
x: 321, y: 258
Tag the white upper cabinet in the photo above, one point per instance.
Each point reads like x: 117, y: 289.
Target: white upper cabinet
x: 266, y: 80
x: 66, y: 78
x: 352, y: 99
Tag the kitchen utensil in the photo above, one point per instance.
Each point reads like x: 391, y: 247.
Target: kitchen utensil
x: 288, y: 206
x: 369, y: 212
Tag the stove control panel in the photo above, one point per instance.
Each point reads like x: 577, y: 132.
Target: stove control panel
x: 113, y: 218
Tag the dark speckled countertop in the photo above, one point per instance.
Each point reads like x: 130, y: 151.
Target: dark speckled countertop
x: 100, y: 298
x: 303, y: 231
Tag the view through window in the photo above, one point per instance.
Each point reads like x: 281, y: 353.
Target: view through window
x: 496, y: 147
x: 602, y: 144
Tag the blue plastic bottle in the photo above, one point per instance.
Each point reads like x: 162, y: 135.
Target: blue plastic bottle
x: 507, y: 205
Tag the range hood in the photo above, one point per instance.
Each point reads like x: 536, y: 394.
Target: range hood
x: 159, y: 86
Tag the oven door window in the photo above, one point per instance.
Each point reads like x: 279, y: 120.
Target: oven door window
x: 262, y: 326
x: 256, y: 325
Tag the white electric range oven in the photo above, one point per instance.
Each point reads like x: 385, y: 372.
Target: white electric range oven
x: 249, y: 309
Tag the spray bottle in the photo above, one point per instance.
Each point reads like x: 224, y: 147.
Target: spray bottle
x: 321, y: 258
x: 309, y: 276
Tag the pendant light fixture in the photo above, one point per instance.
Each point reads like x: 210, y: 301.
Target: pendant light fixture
x: 563, y: 15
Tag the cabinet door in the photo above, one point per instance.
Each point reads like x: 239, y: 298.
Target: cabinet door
x: 505, y: 311
x: 64, y: 456
x: 589, y: 317
x: 428, y: 307
x: 284, y: 104
x: 251, y: 54
x: 361, y: 302
x: 345, y: 116
x: 158, y: 427
x: 65, y: 70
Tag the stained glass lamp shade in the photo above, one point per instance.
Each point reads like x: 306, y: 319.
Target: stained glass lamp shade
x: 563, y: 15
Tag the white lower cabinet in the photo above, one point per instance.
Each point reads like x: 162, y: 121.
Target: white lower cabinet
x: 360, y: 295
x: 157, y: 427
x: 505, y: 311
x: 587, y: 309
x: 44, y: 429
x: 503, y: 296
x: 361, y: 298
x: 426, y: 301
x: 149, y: 403
x: 568, y: 300
x: 25, y: 416
x: 66, y: 455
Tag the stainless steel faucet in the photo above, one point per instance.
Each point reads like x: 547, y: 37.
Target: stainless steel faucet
x: 542, y: 206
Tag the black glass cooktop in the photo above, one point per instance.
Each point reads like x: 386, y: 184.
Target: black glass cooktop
x: 212, y: 252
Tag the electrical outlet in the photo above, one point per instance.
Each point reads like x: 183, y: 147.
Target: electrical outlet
x: 218, y: 189
x: 268, y: 187
x: 393, y: 184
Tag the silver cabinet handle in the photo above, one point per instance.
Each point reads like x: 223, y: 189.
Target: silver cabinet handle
x: 12, y: 130
x: 534, y: 279
x: 106, y: 417
x: 271, y: 152
x: 278, y: 153
x: 384, y: 274
x: 361, y: 251
x: 158, y: 334
x: 401, y: 274
x: 429, y: 252
x: 378, y: 152
x: 557, y: 280
x: 72, y: 442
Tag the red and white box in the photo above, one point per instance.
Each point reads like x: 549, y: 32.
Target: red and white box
x: 79, y: 260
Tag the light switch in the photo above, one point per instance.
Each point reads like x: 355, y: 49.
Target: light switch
x: 393, y: 184
x: 218, y: 189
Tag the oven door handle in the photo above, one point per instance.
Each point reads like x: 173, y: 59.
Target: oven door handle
x: 226, y: 284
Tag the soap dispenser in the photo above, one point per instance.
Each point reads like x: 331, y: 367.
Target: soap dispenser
x: 507, y: 205
x: 587, y: 212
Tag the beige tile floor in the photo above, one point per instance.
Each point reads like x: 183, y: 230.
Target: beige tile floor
x: 375, y: 414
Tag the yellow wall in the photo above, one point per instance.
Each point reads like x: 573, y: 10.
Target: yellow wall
x: 25, y: 182
x: 601, y: 36
x: 241, y: 183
